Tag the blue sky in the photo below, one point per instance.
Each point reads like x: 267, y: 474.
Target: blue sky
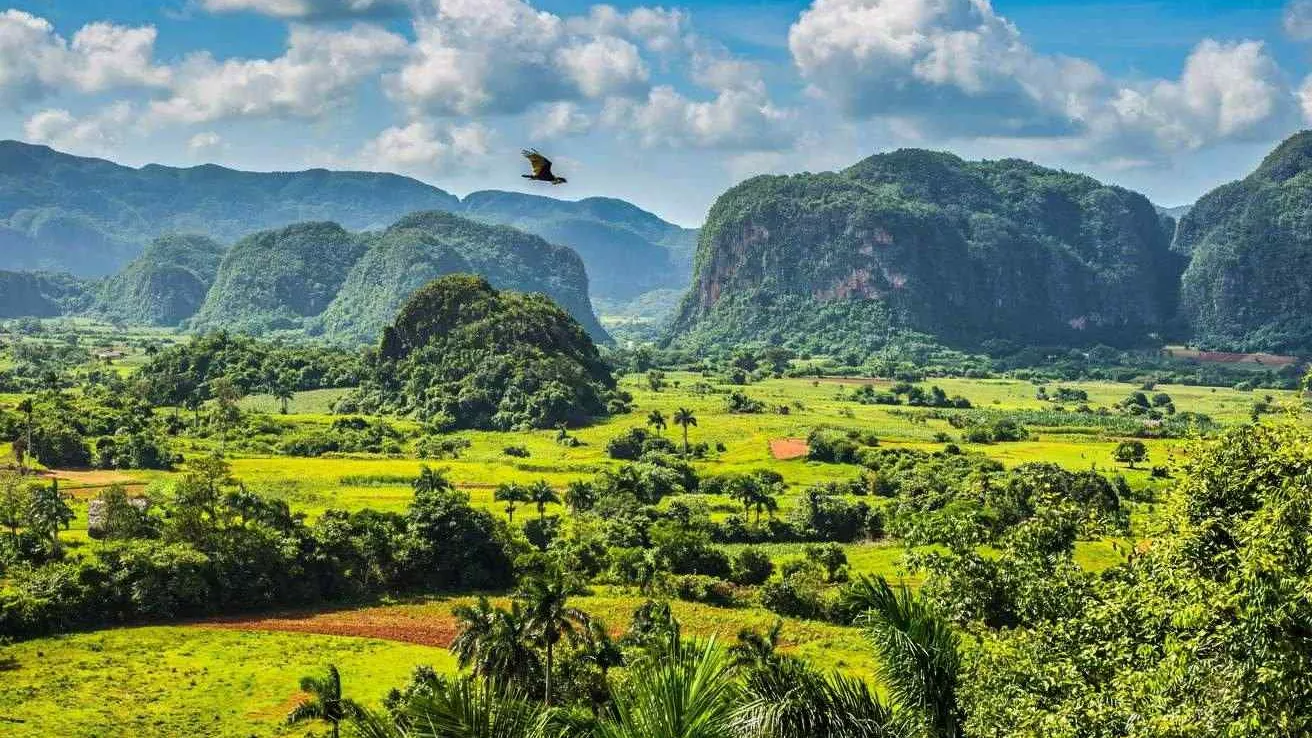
x: 664, y: 104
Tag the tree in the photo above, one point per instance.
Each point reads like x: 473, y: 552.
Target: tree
x: 193, y: 402
x: 549, y: 616
x: 283, y: 388
x: 1131, y: 452
x: 684, y: 417
x: 26, y: 407
x: 753, y: 492
x: 541, y: 493
x: 458, y: 708
x: 495, y: 643
x: 325, y: 701
x: 686, y: 692
x: 13, y: 504
x: 226, y: 413
x: 48, y: 512
x: 512, y: 494
x: 919, y: 662
x: 580, y: 496
x: 656, y: 420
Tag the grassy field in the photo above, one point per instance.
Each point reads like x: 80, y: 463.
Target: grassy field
x: 203, y: 681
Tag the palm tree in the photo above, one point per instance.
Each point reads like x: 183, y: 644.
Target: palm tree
x: 755, y: 648
x: 688, y: 693
x: 461, y: 708
x: 26, y: 407
x: 495, y: 642
x: 541, y: 494
x: 596, y: 647
x: 656, y: 419
x: 786, y: 698
x: 919, y: 660
x: 431, y: 480
x: 549, y: 616
x: 283, y: 389
x: 685, y: 417
x: 512, y: 494
x: 580, y: 496
x: 194, y: 403
x: 325, y: 703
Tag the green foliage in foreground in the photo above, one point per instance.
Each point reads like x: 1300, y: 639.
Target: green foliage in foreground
x: 463, y: 355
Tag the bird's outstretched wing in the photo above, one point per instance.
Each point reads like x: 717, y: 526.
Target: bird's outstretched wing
x: 541, y: 164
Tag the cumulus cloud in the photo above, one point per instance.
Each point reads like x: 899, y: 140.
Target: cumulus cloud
x: 733, y: 119
x: 93, y: 134
x: 206, y: 142
x: 955, y: 68
x: 559, y: 119
x: 35, y: 61
x: 422, y: 148
x: 307, y: 9
x: 315, y: 75
x: 505, y: 56
x: 1298, y: 19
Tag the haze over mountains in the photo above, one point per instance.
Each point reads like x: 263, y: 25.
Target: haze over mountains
x: 908, y: 241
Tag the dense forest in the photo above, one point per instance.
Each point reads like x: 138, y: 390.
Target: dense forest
x: 928, y: 242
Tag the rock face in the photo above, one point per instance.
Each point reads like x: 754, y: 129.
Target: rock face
x: 1249, y: 282
x: 924, y: 241
x: 424, y: 246
x: 164, y: 286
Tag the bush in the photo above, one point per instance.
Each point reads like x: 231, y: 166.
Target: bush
x: 703, y: 589
x: 636, y: 443
x: 798, y: 595
x: 519, y: 452
x: 751, y: 567
x: 438, y: 447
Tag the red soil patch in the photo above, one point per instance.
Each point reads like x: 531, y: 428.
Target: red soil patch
x: 424, y: 628
x: 788, y: 448
x: 1222, y: 357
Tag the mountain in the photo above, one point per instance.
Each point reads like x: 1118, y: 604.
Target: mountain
x: 275, y: 279
x: 41, y: 294
x: 1250, y: 245
x: 423, y: 246
x: 165, y: 285
x: 461, y: 354
x: 924, y: 241
x: 91, y: 217
x: 628, y: 251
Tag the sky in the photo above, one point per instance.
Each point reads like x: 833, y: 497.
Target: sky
x: 664, y: 105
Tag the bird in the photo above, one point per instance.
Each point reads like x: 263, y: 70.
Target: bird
x: 541, y: 168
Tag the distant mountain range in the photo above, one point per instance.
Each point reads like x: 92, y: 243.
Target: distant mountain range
x: 91, y: 218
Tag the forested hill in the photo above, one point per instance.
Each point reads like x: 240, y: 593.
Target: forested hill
x: 324, y: 279
x: 91, y: 217
x: 1248, y: 286
x: 925, y: 241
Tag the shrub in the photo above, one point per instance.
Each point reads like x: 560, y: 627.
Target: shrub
x: 703, y: 589
x: 752, y: 566
x: 519, y: 452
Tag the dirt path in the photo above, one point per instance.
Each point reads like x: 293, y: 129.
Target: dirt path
x: 422, y: 627
x: 788, y: 448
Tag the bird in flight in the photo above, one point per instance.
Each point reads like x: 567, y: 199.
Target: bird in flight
x: 541, y: 168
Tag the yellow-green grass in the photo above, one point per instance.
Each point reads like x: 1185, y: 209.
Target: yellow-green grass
x: 179, y: 681
x: 319, y: 402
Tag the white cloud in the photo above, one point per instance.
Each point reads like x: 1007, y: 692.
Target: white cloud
x: 1227, y: 91
x: 1298, y: 19
x: 306, y: 9
x: 505, y: 56
x: 36, y: 62
x: 657, y: 29
x: 205, y: 143
x: 423, y: 149
x: 317, y: 73
x: 734, y: 119
x: 559, y: 119
x: 94, y: 134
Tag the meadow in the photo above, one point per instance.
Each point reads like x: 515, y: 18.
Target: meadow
x: 237, y: 677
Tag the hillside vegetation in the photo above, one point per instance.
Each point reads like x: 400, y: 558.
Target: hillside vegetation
x: 165, y: 285
x: 1247, y: 285
x: 928, y: 242
x: 463, y: 355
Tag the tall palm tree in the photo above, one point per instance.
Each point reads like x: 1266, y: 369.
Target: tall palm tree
x: 580, y: 496
x: 919, y: 657
x: 541, y: 494
x: 325, y: 701
x: 460, y: 708
x: 431, y: 480
x: 688, y: 693
x: 512, y: 494
x: 495, y: 642
x: 549, y: 616
x: 656, y: 419
x: 786, y: 698
x: 26, y: 407
x: 685, y: 417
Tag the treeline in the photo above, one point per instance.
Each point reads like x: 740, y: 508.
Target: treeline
x: 211, y: 546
